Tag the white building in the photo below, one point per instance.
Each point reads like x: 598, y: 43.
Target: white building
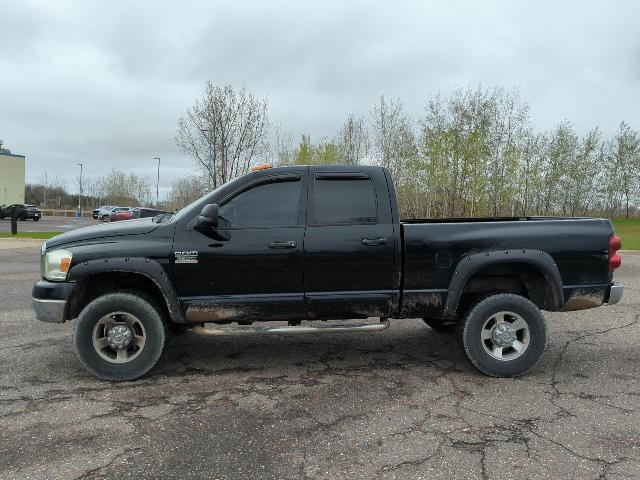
x: 11, y: 177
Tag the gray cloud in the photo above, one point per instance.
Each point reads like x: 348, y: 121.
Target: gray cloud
x: 105, y: 83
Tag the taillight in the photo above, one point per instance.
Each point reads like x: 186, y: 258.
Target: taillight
x: 615, y: 244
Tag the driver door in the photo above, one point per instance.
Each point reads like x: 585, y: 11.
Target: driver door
x: 250, y: 268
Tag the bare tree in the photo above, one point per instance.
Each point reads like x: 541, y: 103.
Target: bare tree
x: 582, y: 174
x: 48, y: 192
x: 185, y: 190
x: 507, y: 135
x: 120, y: 188
x: 353, y: 140
x: 393, y: 137
x: 285, y: 153
x: 625, y: 154
x: 91, y: 189
x: 473, y: 153
x: 224, y: 132
x: 44, y: 182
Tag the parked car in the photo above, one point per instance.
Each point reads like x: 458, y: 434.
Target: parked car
x: 100, y: 212
x: 137, y: 212
x: 24, y: 212
x: 121, y: 214
x: 5, y: 210
x: 105, y: 215
x: 142, y: 212
x: 33, y: 212
x: 321, y: 243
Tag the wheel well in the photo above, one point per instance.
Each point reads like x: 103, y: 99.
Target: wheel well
x: 98, y: 284
x: 517, y: 278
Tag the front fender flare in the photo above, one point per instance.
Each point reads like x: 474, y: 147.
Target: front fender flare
x: 152, y: 269
x: 470, y: 264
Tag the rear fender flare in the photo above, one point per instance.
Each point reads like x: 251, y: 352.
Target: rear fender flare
x: 470, y: 264
x: 152, y: 269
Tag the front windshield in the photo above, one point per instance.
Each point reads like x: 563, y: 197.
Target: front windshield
x: 183, y: 211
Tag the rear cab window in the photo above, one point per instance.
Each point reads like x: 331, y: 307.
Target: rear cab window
x: 344, y: 199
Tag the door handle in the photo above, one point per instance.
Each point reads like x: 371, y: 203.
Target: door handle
x: 371, y: 242
x: 282, y: 244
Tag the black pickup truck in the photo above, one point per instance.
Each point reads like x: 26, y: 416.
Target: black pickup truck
x: 304, y: 243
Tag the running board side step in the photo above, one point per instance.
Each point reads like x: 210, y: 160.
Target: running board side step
x: 288, y: 330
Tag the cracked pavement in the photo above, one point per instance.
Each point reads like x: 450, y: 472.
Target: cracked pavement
x: 404, y: 403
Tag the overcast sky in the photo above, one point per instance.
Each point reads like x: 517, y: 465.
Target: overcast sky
x: 104, y: 83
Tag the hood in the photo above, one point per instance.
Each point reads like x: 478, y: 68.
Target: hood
x: 104, y: 230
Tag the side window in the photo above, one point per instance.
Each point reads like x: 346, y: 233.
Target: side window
x: 345, y: 200
x: 274, y: 204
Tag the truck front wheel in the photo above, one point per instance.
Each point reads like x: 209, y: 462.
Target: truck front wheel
x: 119, y: 336
x: 503, y: 335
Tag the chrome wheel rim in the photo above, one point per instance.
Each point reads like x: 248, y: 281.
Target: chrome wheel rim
x: 119, y: 337
x: 505, y: 336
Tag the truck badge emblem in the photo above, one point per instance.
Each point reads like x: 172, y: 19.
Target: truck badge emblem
x: 187, y: 257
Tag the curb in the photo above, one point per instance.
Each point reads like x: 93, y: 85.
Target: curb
x: 8, y: 243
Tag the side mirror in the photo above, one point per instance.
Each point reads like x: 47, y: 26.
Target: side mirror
x: 208, y: 217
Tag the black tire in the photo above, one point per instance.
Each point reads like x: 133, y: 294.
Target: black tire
x: 35, y: 219
x: 146, y: 314
x: 104, y: 218
x: 441, y: 325
x: 470, y: 330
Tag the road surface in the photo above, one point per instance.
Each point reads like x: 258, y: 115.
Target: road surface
x: 404, y: 403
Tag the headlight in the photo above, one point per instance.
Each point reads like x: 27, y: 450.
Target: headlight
x: 56, y: 264
x: 43, y: 250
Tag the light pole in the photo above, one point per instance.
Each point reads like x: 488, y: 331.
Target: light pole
x: 157, y: 181
x: 79, y: 214
x: 212, y: 152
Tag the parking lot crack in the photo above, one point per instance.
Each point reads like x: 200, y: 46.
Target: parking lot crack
x: 554, y: 383
x: 127, y: 452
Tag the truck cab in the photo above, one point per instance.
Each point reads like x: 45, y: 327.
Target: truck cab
x: 291, y: 244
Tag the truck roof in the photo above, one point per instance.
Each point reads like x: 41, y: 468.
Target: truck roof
x: 326, y: 168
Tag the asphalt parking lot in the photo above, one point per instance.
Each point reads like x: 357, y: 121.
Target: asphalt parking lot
x: 48, y: 224
x: 403, y: 403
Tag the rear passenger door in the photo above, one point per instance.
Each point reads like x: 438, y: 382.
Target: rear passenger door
x: 349, y: 262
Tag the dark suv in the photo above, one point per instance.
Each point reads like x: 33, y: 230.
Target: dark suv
x: 32, y: 213
x: 24, y: 212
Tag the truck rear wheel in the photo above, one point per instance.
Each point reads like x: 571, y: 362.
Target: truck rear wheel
x: 119, y: 336
x: 503, y: 335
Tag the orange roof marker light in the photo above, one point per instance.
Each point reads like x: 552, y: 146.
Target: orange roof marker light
x: 264, y: 166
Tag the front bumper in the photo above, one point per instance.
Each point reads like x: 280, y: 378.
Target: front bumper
x: 50, y: 299
x: 615, y: 293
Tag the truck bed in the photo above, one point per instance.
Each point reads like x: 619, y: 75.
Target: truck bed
x: 413, y: 221
x: 578, y: 246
